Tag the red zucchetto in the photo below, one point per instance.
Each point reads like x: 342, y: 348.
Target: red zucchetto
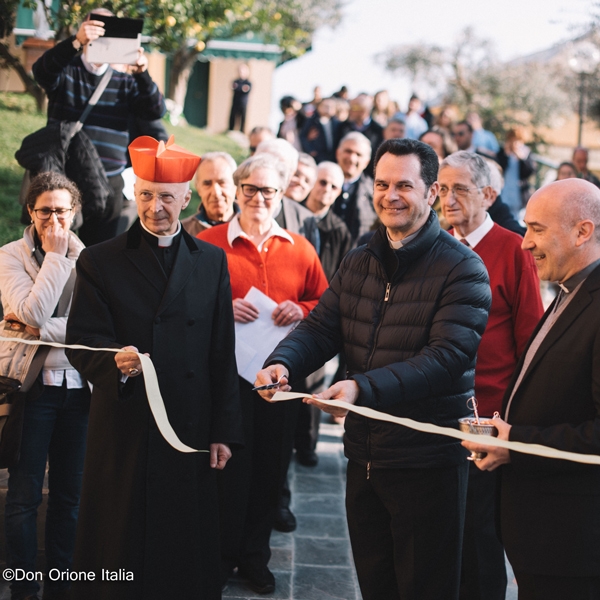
x: 162, y: 163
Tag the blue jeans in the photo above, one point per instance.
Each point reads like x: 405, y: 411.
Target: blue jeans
x: 54, y: 428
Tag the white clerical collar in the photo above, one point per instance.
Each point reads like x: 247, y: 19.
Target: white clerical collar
x: 94, y: 69
x: 478, y: 234
x: 164, y: 241
x: 234, y: 231
x: 396, y: 245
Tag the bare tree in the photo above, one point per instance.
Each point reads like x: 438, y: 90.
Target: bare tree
x: 469, y: 75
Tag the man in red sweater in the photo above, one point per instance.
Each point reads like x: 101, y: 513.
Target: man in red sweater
x: 465, y: 194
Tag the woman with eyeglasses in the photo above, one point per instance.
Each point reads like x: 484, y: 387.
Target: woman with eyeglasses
x: 285, y: 267
x: 37, y: 273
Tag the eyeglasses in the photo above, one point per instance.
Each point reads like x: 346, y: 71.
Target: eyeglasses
x: 268, y: 193
x: 459, y: 191
x: 62, y: 214
x: 459, y: 133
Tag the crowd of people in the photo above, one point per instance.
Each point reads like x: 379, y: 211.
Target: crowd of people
x: 392, y: 240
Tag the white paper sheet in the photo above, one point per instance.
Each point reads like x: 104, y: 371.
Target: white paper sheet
x: 255, y: 341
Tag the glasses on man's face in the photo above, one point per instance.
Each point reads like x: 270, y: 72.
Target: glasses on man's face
x: 62, y: 214
x: 268, y: 193
x: 459, y: 191
x: 459, y: 133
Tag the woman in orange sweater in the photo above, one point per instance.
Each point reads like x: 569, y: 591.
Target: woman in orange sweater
x: 285, y: 267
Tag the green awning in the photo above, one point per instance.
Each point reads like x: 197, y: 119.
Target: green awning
x: 242, y: 47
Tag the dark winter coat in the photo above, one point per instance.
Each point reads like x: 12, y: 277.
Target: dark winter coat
x: 314, y: 139
x: 336, y: 242
x: 409, y: 323
x: 145, y: 507
x: 500, y: 213
x: 550, y: 509
x: 355, y: 207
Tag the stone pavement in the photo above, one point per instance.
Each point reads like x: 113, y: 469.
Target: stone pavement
x: 312, y: 563
x: 315, y: 562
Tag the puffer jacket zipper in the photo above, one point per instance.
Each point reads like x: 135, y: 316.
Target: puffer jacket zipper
x: 386, y: 298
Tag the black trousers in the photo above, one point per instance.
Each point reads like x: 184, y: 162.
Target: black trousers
x: 250, y: 484
x: 104, y: 227
x: 238, y: 111
x: 483, y: 571
x: 406, y: 528
x: 547, y: 587
x: 309, y: 416
x: 308, y: 421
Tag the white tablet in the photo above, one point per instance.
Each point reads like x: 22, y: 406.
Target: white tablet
x: 114, y: 50
x: 121, y: 41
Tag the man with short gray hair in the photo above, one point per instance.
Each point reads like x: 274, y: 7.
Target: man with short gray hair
x: 580, y: 160
x: 359, y: 120
x: 259, y: 134
x: 355, y: 204
x: 395, y: 128
x: 215, y: 186
x: 549, y: 508
x: 465, y: 194
x: 303, y: 179
x: 335, y: 237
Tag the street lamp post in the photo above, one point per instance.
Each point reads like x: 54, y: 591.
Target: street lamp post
x: 584, y: 60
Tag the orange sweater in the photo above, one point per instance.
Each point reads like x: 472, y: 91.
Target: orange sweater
x: 282, y: 271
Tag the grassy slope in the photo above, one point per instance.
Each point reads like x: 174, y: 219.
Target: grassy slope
x: 18, y: 118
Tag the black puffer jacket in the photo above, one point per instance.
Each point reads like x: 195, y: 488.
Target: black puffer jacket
x: 409, y: 322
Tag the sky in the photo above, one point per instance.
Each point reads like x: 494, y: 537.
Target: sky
x: 346, y: 55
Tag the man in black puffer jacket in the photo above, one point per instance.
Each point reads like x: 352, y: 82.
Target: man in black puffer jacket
x: 408, y: 310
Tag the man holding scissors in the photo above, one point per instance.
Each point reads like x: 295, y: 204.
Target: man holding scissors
x: 408, y: 310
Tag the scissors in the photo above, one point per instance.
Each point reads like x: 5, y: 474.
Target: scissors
x: 268, y: 386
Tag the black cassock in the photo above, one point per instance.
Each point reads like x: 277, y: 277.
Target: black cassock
x: 147, y: 509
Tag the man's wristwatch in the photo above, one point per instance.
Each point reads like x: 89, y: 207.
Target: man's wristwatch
x: 76, y: 43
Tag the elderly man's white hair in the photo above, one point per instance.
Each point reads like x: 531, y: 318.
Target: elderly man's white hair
x: 333, y: 168
x: 357, y: 136
x: 213, y: 156
x: 285, y: 152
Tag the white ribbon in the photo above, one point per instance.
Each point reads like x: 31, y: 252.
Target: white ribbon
x: 155, y: 400
x: 157, y: 406
x: 534, y: 449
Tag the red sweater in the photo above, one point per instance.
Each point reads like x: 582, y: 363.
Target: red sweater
x: 516, y: 310
x: 281, y: 270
